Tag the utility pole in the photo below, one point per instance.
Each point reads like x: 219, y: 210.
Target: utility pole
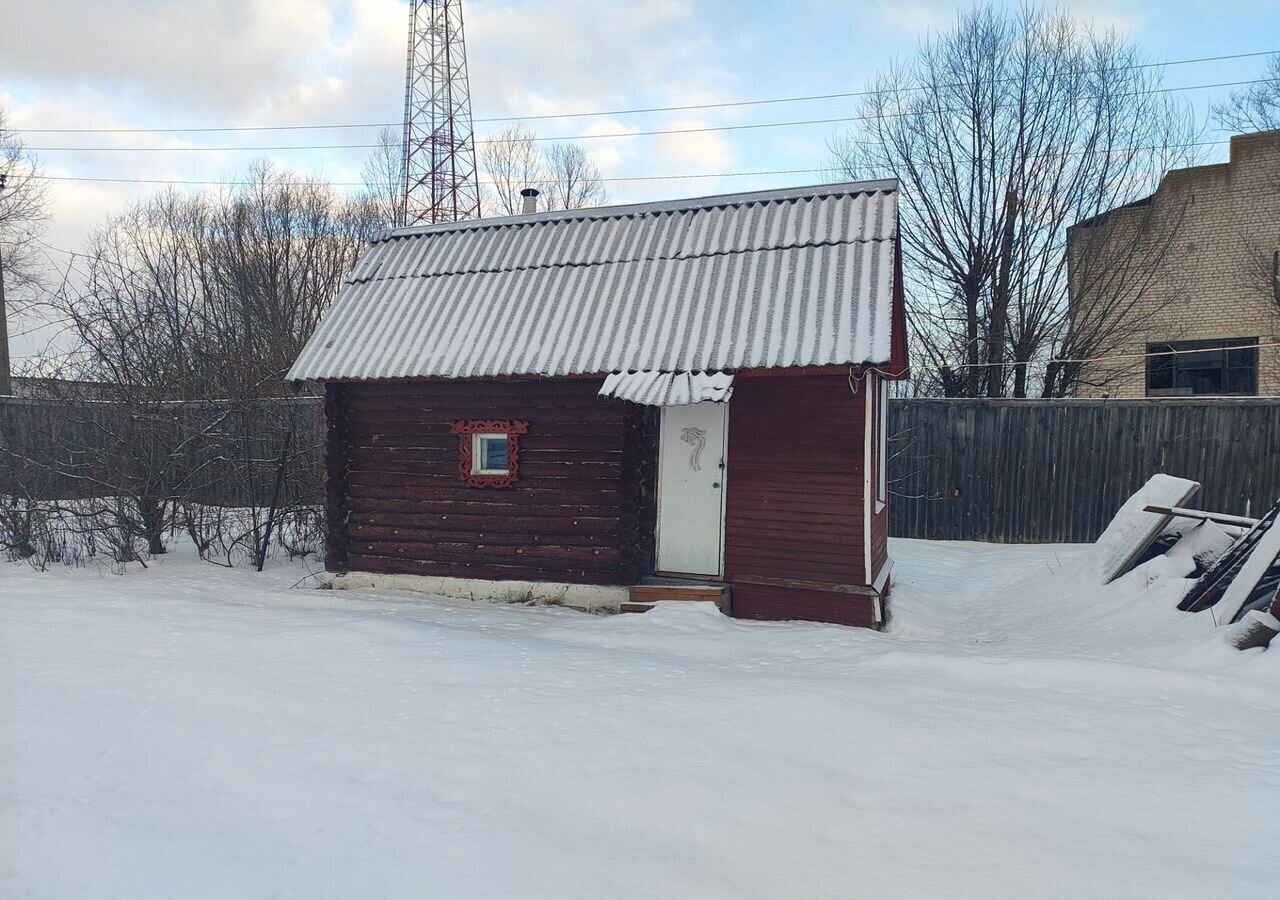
x: 6, y: 382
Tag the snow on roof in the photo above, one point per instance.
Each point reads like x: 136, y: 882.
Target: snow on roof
x: 669, y: 388
x: 767, y: 279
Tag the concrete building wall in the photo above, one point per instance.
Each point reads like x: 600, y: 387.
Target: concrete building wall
x: 1210, y: 281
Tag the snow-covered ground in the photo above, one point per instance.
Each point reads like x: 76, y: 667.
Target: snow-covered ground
x: 194, y: 732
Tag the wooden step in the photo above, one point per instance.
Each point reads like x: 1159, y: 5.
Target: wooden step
x: 710, y: 592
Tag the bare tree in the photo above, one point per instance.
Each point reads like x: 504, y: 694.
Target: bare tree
x: 1003, y: 132
x: 270, y: 265
x: 1254, y: 109
x: 24, y: 207
x: 383, y: 176
x: 511, y: 162
x: 1259, y: 275
x: 564, y: 175
x: 1261, y: 272
x: 197, y: 296
x: 572, y: 179
x: 192, y: 310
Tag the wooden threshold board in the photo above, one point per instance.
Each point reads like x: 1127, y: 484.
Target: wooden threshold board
x: 715, y: 592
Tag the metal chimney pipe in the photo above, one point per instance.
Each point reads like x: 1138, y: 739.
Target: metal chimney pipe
x: 530, y: 196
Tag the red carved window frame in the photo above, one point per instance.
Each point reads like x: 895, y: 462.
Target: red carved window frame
x: 467, y: 430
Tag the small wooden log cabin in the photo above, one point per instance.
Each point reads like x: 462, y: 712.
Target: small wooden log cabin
x: 621, y: 403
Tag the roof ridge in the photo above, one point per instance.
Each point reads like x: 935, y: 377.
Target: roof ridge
x: 627, y: 210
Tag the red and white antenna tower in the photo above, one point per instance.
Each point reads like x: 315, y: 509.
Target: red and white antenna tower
x: 439, y: 146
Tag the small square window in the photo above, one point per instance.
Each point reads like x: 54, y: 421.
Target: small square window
x: 489, y: 452
x: 489, y: 456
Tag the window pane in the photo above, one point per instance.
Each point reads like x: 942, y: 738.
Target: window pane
x: 1202, y: 367
x: 1242, y: 371
x: 495, y: 453
x: 1202, y: 372
x: 1159, y: 368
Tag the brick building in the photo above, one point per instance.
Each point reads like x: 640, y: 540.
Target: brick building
x: 1182, y: 273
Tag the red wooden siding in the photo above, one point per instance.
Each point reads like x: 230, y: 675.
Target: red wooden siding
x: 577, y: 512
x: 795, y: 515
x: 755, y: 601
x: 879, y: 541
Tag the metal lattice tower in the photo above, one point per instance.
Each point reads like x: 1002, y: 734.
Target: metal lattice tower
x: 439, y: 146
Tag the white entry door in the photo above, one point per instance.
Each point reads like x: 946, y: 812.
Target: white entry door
x: 691, y: 470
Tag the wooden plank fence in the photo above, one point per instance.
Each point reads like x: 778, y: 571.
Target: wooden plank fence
x: 213, y: 452
x: 980, y: 470
x: 1057, y: 470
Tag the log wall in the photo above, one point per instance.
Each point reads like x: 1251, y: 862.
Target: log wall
x: 579, y: 512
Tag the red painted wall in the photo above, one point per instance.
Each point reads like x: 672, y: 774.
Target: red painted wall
x: 795, y: 517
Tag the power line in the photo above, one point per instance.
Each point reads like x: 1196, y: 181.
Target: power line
x: 612, y: 179
x: 242, y: 183
x: 1109, y: 357
x: 630, y: 134
x: 727, y: 104
x: 837, y: 96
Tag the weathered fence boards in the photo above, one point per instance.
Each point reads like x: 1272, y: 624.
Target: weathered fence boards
x: 212, y: 452
x: 1057, y: 470
x: 981, y: 470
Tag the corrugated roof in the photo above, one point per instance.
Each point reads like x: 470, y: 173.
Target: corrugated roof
x: 768, y: 279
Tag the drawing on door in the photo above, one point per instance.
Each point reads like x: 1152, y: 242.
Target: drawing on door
x: 691, y: 478
x: 696, y: 438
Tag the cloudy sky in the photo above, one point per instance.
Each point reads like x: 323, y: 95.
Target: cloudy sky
x: 208, y: 63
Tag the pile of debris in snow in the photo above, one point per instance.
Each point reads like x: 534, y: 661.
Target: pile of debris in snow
x: 1234, y: 560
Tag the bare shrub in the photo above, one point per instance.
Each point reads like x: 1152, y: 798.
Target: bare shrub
x: 174, y: 401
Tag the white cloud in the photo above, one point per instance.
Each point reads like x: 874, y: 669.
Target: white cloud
x: 916, y: 18
x: 580, y: 54
x: 706, y: 151
x: 610, y: 147
x: 158, y: 63
x: 1103, y: 15
x: 195, y: 54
